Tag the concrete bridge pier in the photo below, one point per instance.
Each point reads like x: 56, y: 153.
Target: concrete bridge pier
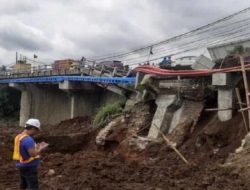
x: 25, y: 107
x: 52, y: 103
x: 83, y: 97
x: 225, y: 82
x: 161, y: 118
x: 73, y: 106
x: 225, y: 101
x: 45, y: 102
x: 172, y: 114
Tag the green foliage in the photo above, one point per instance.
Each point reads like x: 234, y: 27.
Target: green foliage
x: 9, y: 103
x: 107, y: 112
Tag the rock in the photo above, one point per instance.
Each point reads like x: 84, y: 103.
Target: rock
x: 200, y: 141
x: 238, y: 150
x: 245, y: 143
x: 108, y: 129
x: 141, y: 143
x: 51, y: 172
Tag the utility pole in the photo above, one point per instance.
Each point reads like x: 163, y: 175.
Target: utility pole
x: 16, y: 57
x: 244, y: 75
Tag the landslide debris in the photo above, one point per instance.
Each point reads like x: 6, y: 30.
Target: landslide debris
x: 120, y: 166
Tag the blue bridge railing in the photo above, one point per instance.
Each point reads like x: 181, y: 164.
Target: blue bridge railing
x: 57, y: 79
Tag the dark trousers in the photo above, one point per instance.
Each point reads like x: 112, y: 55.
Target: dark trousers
x: 28, y: 178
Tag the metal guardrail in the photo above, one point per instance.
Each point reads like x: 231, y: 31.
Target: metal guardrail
x: 107, y: 80
x: 87, y: 73
x: 49, y: 71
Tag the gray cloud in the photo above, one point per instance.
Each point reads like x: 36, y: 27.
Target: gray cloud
x: 16, y: 35
x: 17, y: 6
x: 61, y: 29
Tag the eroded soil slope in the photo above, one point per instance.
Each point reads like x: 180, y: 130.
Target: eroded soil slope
x: 74, y: 162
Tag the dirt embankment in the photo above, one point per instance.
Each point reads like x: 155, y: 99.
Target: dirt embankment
x: 77, y: 163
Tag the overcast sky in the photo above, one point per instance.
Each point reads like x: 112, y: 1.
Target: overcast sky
x: 57, y: 29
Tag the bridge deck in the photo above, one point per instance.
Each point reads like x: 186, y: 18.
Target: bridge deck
x: 88, y: 74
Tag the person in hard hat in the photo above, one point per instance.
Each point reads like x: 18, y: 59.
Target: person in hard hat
x: 27, y: 154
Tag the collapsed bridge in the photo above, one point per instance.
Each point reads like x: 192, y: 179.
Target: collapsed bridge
x: 179, y: 94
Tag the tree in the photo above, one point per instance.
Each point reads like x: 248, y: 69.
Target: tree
x: 9, y: 103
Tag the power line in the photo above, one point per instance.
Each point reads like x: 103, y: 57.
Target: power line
x: 211, y: 34
x: 206, y: 41
x: 177, y: 37
x: 191, y: 49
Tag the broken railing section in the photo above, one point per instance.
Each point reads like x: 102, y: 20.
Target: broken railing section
x: 177, y: 99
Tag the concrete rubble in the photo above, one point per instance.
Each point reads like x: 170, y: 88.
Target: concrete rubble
x: 245, y: 144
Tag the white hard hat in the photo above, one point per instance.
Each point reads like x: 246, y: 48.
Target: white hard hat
x: 34, y: 122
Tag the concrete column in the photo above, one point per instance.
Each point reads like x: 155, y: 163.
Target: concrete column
x: 176, y: 119
x: 189, y: 112
x: 225, y: 100
x: 26, y: 102
x: 225, y: 82
x: 25, y: 107
x: 160, y: 119
x: 44, y: 102
x: 72, y: 106
x: 51, y: 104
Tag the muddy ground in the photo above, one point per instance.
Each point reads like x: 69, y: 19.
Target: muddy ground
x: 79, y: 164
